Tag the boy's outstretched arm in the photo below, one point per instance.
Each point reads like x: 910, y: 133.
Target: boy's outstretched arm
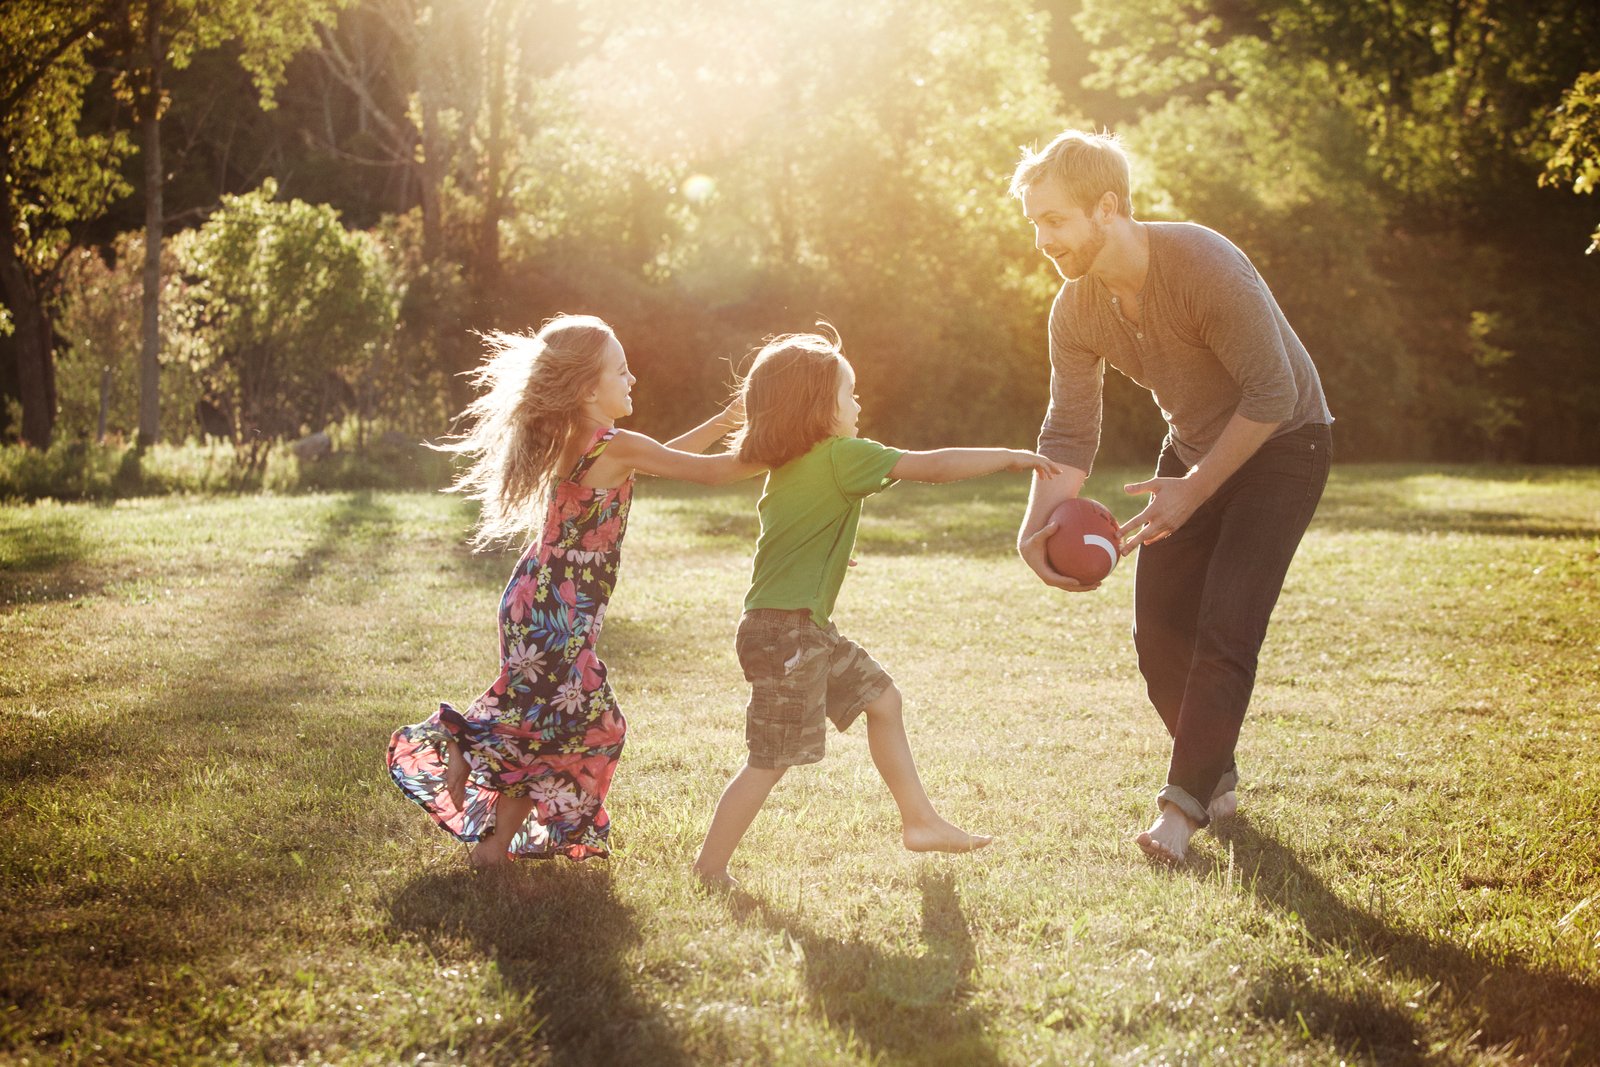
x: 712, y: 430
x: 957, y: 464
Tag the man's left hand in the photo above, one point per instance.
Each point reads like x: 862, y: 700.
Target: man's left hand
x: 1172, y: 501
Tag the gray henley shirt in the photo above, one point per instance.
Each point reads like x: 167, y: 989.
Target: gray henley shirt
x: 1211, y: 341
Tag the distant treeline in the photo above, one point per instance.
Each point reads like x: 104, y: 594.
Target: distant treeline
x: 703, y: 173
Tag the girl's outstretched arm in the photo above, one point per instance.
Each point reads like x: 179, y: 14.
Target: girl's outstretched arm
x: 680, y: 456
x: 956, y: 464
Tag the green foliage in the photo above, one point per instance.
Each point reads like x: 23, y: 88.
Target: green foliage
x: 1378, y: 164
x: 98, y: 319
x: 704, y: 173
x: 67, y: 470
x: 57, y: 176
x: 53, y: 178
x: 1302, y: 209
x: 1453, y: 97
x: 861, y: 179
x: 286, y: 313
x: 264, y: 36
x: 77, y: 469
x: 420, y: 385
x: 1576, y: 133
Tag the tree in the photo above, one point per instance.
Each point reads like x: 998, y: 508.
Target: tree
x: 52, y: 178
x: 773, y: 165
x: 286, y: 313
x: 446, y: 92
x: 153, y: 36
x: 1383, y: 160
x: 1576, y: 133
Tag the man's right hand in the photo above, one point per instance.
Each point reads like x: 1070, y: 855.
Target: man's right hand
x: 1032, y: 551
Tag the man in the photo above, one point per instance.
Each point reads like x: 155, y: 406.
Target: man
x: 1180, y: 310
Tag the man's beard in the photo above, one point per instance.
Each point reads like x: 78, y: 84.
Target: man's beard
x: 1077, y: 262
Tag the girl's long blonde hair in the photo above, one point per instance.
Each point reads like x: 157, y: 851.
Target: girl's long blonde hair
x: 531, y: 398
x: 791, y: 398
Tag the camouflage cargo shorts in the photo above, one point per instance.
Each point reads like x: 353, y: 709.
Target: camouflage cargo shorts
x: 801, y: 676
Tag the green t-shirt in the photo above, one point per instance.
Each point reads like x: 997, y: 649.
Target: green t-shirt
x: 809, y: 511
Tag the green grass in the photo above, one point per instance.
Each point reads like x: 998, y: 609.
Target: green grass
x: 203, y: 860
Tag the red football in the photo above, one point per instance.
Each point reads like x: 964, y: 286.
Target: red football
x: 1085, y: 546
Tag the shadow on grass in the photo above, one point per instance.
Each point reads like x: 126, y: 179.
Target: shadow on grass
x: 1355, y: 513
x: 356, y: 520
x: 1380, y: 497
x: 52, y: 749
x: 353, y: 534
x: 904, y: 1008
x: 39, y: 556
x: 559, y: 938
x: 1546, y: 1016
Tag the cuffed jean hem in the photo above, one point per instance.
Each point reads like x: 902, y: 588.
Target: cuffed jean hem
x: 1185, y: 803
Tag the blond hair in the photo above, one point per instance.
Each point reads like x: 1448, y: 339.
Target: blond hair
x: 791, y: 398
x: 532, y: 391
x: 1085, y: 165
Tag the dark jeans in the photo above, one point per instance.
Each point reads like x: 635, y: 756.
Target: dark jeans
x: 1202, y: 600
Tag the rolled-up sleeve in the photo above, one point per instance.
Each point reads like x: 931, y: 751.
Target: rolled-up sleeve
x: 1070, y: 434
x: 1238, y: 321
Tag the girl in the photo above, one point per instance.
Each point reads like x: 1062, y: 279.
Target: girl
x: 544, y: 739
x: 801, y: 411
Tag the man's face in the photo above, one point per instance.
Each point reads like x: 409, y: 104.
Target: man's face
x: 1069, y: 237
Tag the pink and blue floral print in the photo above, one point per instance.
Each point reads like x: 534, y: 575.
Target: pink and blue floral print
x: 549, y: 726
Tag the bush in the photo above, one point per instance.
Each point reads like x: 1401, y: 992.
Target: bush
x: 79, y: 470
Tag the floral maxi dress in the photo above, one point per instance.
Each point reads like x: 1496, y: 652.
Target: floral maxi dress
x: 549, y: 726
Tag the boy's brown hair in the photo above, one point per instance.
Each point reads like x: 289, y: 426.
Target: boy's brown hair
x: 791, y: 398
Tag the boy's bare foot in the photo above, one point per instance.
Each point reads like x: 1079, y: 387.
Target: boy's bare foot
x: 1167, y: 839
x: 718, y: 881
x: 941, y: 836
x: 1223, y: 806
x: 455, y: 775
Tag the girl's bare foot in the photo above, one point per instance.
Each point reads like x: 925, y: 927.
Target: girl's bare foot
x: 1223, y: 806
x: 941, y: 836
x: 719, y: 881
x: 1167, y: 839
x: 487, y: 854
x: 455, y: 774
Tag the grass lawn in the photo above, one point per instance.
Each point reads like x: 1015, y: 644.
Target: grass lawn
x: 202, y: 858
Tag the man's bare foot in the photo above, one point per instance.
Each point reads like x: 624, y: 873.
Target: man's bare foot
x: 1223, y: 806
x: 717, y: 881
x: 455, y: 775
x: 1167, y: 839
x: 941, y: 836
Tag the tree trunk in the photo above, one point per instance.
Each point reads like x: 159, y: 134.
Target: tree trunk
x: 494, y: 150
x: 430, y: 172
x: 150, y: 129
x: 105, y: 405
x: 34, y: 338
